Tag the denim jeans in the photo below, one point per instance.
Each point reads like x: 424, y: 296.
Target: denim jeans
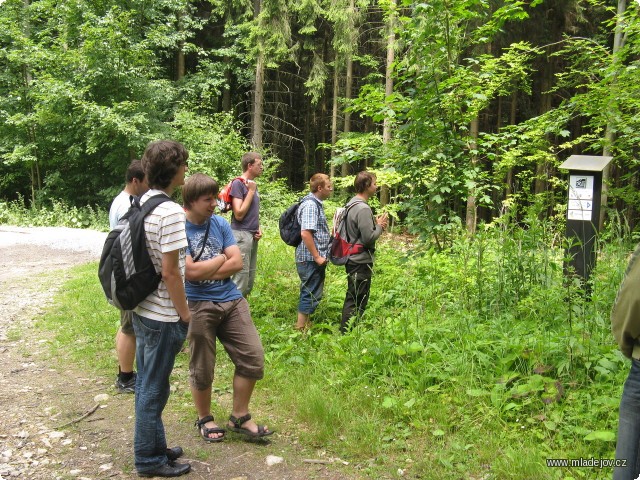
x: 357, y: 296
x: 311, y: 285
x: 629, y: 426
x: 157, y: 344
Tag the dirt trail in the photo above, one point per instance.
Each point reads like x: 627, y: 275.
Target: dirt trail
x: 37, y: 399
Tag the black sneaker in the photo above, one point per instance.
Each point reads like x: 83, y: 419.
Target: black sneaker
x: 126, y: 387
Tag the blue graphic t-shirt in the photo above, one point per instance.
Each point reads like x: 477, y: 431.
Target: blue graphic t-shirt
x: 220, y: 237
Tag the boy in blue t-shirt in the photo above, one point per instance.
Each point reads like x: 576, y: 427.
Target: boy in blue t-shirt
x: 218, y: 310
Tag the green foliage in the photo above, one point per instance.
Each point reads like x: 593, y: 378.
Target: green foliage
x: 55, y: 214
x: 214, y: 143
x: 484, y: 328
x: 270, y: 34
x: 85, y: 86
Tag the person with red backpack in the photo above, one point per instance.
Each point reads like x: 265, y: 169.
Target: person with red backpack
x: 245, y: 221
x: 361, y: 227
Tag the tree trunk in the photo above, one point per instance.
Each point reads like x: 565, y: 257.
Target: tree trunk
x: 609, y: 135
x: 258, y: 91
x: 347, y: 115
x: 512, y: 121
x: 472, y: 208
x: 180, y: 53
x: 334, y: 114
x: 388, y: 88
x: 180, y: 61
x: 307, y: 143
x: 349, y: 85
x: 27, y: 79
x: 258, y: 100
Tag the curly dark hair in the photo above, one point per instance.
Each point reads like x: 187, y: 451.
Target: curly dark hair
x: 161, y: 161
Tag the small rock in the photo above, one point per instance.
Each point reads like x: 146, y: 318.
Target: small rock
x: 105, y: 466
x: 75, y: 473
x: 56, y: 434
x: 273, y: 460
x: 103, y: 397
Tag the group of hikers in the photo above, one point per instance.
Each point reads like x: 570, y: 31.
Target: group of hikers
x: 208, y: 267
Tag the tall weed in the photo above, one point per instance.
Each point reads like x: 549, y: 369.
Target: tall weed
x: 55, y: 214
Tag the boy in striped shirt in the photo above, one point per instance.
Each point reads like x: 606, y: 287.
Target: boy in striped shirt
x: 162, y: 319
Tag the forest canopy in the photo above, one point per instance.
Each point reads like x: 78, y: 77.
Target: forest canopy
x: 464, y: 109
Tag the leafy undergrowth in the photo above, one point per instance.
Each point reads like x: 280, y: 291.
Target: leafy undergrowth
x: 478, y: 361
x: 56, y: 213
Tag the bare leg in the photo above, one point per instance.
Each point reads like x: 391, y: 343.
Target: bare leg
x: 126, y: 350
x: 303, y: 321
x: 202, y: 401
x: 242, y: 390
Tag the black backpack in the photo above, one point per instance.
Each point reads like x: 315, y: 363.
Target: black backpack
x: 126, y: 271
x: 290, y: 226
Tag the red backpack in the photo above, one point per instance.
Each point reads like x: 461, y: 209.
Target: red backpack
x: 340, y: 248
x: 224, y: 197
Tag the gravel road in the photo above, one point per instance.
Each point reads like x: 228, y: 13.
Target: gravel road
x: 38, y: 401
x: 88, y: 242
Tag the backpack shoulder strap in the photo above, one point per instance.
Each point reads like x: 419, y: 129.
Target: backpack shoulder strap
x: 151, y: 203
x: 348, y: 207
x: 240, y: 179
x: 204, y: 242
x: 306, y: 199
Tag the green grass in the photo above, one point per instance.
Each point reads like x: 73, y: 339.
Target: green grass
x: 475, y: 362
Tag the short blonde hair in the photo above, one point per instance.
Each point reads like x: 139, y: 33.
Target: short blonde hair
x: 318, y: 180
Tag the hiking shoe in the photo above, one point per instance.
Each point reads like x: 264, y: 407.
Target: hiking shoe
x: 126, y: 387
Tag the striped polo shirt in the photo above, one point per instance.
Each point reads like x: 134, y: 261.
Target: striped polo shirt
x: 165, y: 232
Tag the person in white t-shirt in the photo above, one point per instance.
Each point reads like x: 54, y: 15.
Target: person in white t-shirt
x: 161, y: 320
x: 135, y: 185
